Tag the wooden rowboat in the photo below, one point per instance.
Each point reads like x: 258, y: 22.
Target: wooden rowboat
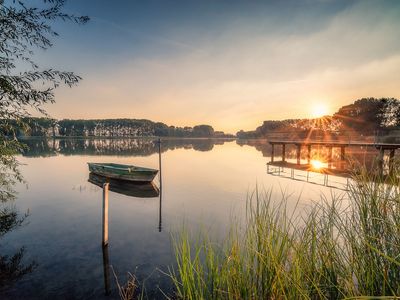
x: 123, y: 172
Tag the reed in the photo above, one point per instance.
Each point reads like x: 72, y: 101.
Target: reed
x: 344, y: 247
x: 130, y: 290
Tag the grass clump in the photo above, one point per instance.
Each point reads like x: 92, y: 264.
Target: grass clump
x: 342, y: 248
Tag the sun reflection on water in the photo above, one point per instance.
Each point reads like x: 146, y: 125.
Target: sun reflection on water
x: 317, y: 164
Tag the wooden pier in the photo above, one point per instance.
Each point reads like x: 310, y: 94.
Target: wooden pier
x: 381, y: 147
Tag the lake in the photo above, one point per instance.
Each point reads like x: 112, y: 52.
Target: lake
x: 204, y: 184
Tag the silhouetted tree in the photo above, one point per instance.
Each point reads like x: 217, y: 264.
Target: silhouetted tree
x: 391, y: 113
x: 203, y: 131
x: 368, y: 115
x: 23, y: 86
x: 22, y: 30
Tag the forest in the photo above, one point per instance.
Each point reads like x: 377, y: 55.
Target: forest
x: 47, y: 127
x: 365, y: 117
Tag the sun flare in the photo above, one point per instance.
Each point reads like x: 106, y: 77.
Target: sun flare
x: 319, y: 110
x: 316, y: 164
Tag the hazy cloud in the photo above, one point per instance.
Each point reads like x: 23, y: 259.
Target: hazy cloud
x: 241, y: 67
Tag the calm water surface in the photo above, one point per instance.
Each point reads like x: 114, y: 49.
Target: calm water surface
x: 204, y: 183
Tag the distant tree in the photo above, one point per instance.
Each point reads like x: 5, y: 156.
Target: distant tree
x: 23, y: 84
x: 203, y: 131
x: 390, y: 116
x: 368, y: 115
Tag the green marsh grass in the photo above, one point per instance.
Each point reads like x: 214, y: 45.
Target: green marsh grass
x: 344, y: 247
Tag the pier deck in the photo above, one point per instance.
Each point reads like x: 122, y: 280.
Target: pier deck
x: 336, y: 144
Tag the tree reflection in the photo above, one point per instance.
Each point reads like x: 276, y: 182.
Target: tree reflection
x: 99, y: 146
x: 12, y: 267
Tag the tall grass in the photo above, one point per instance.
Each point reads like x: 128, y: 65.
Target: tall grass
x: 344, y: 247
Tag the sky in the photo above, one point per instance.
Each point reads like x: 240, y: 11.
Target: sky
x: 230, y: 64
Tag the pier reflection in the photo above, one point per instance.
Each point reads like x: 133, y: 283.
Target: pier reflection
x: 317, y: 172
x: 337, y: 174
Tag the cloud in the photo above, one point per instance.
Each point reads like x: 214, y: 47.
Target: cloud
x: 244, y: 75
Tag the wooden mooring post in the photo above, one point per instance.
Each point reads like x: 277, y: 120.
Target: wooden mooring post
x: 283, y: 152
x: 105, y: 213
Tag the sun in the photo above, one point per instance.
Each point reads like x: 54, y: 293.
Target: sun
x: 319, y: 110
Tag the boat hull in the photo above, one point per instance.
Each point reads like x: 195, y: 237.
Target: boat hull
x: 123, y: 172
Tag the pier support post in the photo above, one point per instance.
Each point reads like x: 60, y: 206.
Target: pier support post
x: 283, y: 152
x: 272, y: 152
x: 342, y: 153
x: 391, y: 161
x: 298, y: 153
x: 330, y: 157
x: 380, y: 161
x: 105, y: 213
x: 309, y: 154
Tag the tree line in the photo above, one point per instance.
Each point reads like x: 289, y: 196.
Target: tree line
x: 46, y: 127
x: 364, y: 117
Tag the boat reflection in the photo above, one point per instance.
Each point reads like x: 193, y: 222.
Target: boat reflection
x: 138, y: 190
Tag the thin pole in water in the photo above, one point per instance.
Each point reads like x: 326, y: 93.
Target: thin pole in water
x: 160, y: 178
x: 105, y: 213
x: 159, y: 161
x: 159, y: 213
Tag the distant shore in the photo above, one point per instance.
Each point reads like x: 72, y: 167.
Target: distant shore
x: 131, y: 137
